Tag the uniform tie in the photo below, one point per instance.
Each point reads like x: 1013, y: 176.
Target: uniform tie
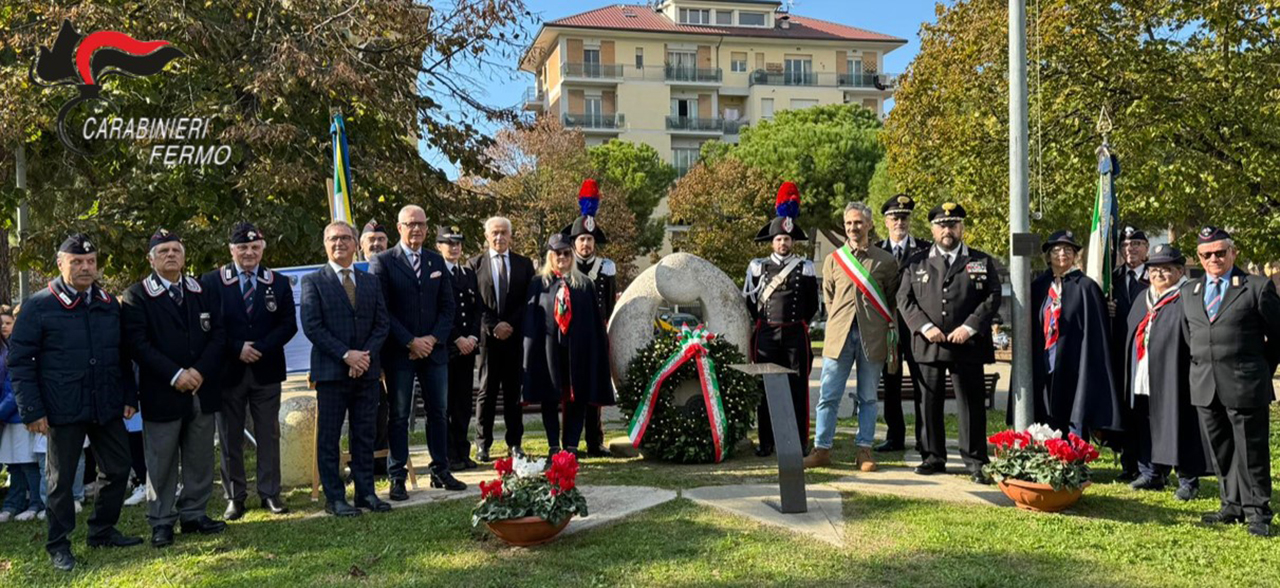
x: 1213, y: 299
x: 248, y: 292
x: 175, y: 292
x: 350, y: 286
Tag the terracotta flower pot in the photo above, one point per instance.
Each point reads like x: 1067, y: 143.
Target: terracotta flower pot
x: 1040, y: 497
x: 526, y: 531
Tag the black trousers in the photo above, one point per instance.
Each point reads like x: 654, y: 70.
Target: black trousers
x: 461, y: 405
x: 501, y: 373
x: 109, y: 443
x: 893, y: 417
x: 566, y: 435
x: 1139, y: 429
x: 356, y: 401
x: 1238, y: 438
x: 139, y: 459
x: 788, y: 346
x: 594, y: 427
x: 971, y: 403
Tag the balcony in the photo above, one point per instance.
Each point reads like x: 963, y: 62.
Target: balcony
x: 733, y: 127
x: 695, y: 125
x: 594, y: 122
x: 693, y: 75
x: 881, y: 82
x: 868, y: 80
x: 608, y: 73
x: 534, y: 100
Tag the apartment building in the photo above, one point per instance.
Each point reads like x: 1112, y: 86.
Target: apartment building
x: 676, y: 73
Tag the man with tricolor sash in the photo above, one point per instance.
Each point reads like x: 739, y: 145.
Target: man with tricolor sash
x: 782, y: 296
x: 948, y: 298
x: 858, y: 282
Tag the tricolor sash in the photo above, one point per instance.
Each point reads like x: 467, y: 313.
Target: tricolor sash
x: 873, y: 295
x: 692, y: 346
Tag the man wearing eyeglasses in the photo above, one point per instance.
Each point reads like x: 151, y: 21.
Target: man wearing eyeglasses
x: 1233, y: 325
x: 1128, y: 285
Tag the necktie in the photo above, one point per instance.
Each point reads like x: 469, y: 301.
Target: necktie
x: 503, y: 282
x: 248, y: 292
x: 899, y: 252
x: 1213, y: 299
x: 84, y: 297
x: 175, y: 292
x: 350, y: 286
x: 946, y: 260
x: 414, y: 259
x: 457, y: 272
x: 1133, y: 285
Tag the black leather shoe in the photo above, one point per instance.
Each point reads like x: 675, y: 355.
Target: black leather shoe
x: 482, y: 454
x: 889, y: 446
x: 275, y: 505
x: 471, y: 464
x: 162, y: 536
x: 341, y: 509
x: 554, y: 450
x: 1186, y: 492
x: 980, y: 478
x: 398, y: 491
x: 447, y: 481
x: 928, y: 469
x: 1260, y: 529
x: 516, y: 451
x: 599, y: 451
x: 1127, y: 476
x: 235, y: 510
x: 63, y: 560
x: 374, y: 504
x: 115, y: 539
x: 204, y: 526
x: 456, y: 464
x: 1222, y: 518
x: 764, y: 450
x: 1147, y: 483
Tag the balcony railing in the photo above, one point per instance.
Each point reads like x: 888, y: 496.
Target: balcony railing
x: 733, y: 127
x: 867, y: 80
x: 826, y: 80
x: 533, y: 98
x: 675, y: 73
x: 603, y: 71
x: 694, y: 123
x: 600, y: 121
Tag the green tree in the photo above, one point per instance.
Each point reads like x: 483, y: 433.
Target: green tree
x: 1190, y: 87
x: 639, y: 173
x: 269, y: 76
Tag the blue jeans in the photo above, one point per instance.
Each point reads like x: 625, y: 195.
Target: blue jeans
x: 77, y: 487
x: 24, y: 487
x: 434, y: 379
x: 835, y: 373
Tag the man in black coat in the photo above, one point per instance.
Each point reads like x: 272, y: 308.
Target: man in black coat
x: 1233, y: 328
x: 502, y: 277
x: 1128, y: 282
x: 259, y: 317
x: 1165, y: 430
x: 71, y: 379
x: 949, y: 297
x: 174, y: 330
x: 345, y: 318
x: 897, y: 219
x: 586, y: 235
x: 373, y: 240
x: 420, y: 306
x: 463, y: 344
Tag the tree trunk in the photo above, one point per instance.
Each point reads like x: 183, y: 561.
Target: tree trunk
x: 6, y: 269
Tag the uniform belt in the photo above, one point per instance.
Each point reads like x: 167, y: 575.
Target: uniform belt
x: 764, y: 323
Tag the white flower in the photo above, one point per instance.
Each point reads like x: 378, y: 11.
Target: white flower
x: 527, y: 468
x: 1041, y: 433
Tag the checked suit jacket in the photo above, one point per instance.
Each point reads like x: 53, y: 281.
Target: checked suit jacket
x: 334, y: 327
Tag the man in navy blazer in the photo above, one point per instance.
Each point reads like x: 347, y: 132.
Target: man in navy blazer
x: 345, y: 317
x: 259, y: 319
x: 418, y: 291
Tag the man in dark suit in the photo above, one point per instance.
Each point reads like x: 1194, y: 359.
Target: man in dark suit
x: 463, y: 343
x: 71, y: 380
x: 345, y: 318
x: 373, y: 240
x: 897, y: 219
x: 173, y: 328
x: 420, y: 306
x: 586, y: 235
x: 1233, y: 329
x: 949, y: 297
x: 503, y: 279
x: 258, y: 313
x: 1128, y: 284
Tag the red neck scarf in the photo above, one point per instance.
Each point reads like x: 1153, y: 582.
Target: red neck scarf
x: 563, y: 308
x: 1052, y: 313
x: 1140, y: 337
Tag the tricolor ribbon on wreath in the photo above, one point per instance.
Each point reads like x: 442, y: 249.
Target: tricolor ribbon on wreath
x: 692, y: 347
x: 874, y: 296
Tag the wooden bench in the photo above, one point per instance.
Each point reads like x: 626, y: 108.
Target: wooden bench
x: 909, y: 392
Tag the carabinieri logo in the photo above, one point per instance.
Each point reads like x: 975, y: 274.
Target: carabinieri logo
x: 86, y: 61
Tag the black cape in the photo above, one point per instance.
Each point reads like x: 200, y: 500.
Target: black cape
x: 1081, y: 390
x: 555, y: 364
x: 1176, y: 439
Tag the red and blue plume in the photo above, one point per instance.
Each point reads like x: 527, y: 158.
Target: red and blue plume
x: 788, y: 203
x: 589, y: 197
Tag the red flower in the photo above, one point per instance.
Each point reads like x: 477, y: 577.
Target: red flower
x: 493, y: 489
x: 563, y: 472
x: 1086, y: 450
x: 503, y: 466
x: 1011, y: 440
x: 1062, y: 450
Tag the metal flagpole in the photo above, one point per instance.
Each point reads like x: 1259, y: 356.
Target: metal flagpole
x: 1022, y: 244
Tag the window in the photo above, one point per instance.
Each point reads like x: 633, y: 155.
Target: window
x: 738, y: 62
x: 684, y: 107
x: 798, y: 103
x: 591, y: 62
x: 639, y: 57
x: 766, y: 108
x: 855, y: 72
x: 751, y: 19
x: 695, y: 16
x: 683, y: 159
x: 798, y: 71
x: 594, y: 110
x: 724, y: 17
x: 682, y: 65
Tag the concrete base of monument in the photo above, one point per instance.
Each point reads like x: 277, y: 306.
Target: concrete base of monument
x: 297, y: 439
x: 609, y: 504
x: 824, y: 520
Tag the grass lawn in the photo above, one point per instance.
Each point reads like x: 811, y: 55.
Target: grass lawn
x: 1115, y: 537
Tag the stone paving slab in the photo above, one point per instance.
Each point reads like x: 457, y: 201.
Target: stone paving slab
x: 610, y: 504
x: 824, y: 520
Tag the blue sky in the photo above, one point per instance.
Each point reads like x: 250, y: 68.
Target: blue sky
x: 900, y: 18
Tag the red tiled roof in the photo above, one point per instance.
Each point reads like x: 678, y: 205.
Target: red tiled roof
x: 647, y: 20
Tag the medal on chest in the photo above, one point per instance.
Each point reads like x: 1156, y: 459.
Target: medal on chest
x: 270, y: 299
